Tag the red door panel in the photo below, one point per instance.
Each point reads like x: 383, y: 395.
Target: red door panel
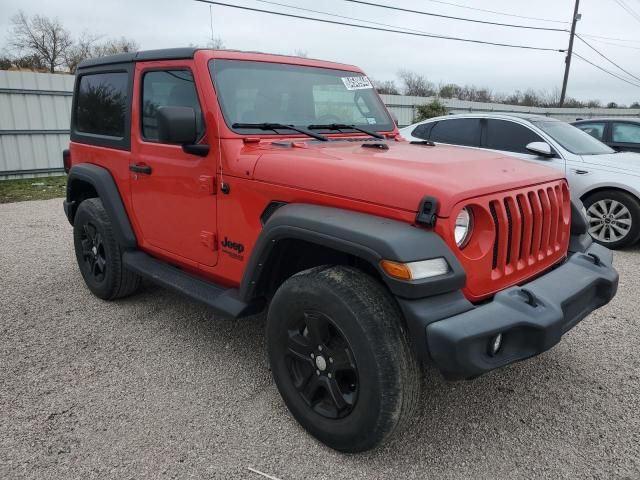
x: 172, y: 192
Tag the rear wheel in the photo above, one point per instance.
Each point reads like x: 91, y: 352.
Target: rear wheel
x: 98, y: 253
x: 613, y: 218
x: 340, y: 357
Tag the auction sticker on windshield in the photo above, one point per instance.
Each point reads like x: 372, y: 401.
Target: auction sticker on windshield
x: 356, y: 83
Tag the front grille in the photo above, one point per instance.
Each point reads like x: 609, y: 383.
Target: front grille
x: 530, y: 226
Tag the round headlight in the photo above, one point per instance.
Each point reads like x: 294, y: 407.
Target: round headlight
x: 464, y: 225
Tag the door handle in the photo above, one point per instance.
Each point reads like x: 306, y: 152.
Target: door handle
x: 141, y: 168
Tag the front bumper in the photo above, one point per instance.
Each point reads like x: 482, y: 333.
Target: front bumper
x: 531, y: 318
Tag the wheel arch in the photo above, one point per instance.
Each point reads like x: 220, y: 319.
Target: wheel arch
x: 604, y: 188
x: 90, y: 181
x: 301, y: 236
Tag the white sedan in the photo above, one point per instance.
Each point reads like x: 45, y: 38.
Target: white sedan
x: 607, y: 182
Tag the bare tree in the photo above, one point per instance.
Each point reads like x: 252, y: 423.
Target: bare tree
x: 216, y: 43
x: 386, y: 87
x: 416, y: 85
x: 115, y: 46
x: 79, y: 51
x: 450, y: 90
x: 43, y: 37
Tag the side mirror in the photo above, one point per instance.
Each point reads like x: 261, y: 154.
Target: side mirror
x: 541, y: 148
x: 177, y: 125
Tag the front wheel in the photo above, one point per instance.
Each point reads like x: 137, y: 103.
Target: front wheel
x: 613, y: 218
x: 340, y: 358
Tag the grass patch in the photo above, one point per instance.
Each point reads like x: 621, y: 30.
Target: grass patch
x: 42, y: 188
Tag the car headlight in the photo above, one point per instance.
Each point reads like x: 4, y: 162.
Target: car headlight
x: 463, y: 227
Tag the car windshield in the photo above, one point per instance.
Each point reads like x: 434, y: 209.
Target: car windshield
x: 259, y: 92
x: 572, y: 138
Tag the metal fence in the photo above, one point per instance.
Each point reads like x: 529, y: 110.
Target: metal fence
x: 405, y: 109
x: 35, y: 109
x: 34, y: 122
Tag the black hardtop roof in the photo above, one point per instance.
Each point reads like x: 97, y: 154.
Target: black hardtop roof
x: 144, y: 55
x: 164, y: 54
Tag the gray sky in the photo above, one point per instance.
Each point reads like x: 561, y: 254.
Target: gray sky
x: 170, y: 23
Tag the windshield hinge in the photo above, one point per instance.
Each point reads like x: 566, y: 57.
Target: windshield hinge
x: 427, y: 211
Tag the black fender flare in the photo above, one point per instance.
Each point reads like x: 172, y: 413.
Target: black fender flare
x: 368, y: 237
x: 105, y: 186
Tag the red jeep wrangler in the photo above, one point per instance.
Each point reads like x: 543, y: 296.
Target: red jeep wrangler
x: 250, y: 181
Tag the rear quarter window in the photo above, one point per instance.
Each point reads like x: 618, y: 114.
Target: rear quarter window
x: 102, y: 103
x: 102, y: 108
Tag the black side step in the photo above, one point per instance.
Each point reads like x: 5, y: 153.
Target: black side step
x: 224, y: 301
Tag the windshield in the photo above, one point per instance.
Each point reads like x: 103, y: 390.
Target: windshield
x: 259, y: 92
x: 572, y: 138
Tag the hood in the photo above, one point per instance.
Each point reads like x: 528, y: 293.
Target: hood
x: 399, y: 177
x: 623, y: 161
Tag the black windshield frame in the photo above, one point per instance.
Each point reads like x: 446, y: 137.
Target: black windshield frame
x: 214, y: 69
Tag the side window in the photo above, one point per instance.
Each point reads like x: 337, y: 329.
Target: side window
x: 626, y: 133
x: 423, y: 131
x: 596, y: 130
x: 510, y: 136
x: 462, y: 131
x: 167, y: 88
x: 101, y: 104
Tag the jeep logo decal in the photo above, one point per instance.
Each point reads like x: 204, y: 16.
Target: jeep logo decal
x: 238, y: 247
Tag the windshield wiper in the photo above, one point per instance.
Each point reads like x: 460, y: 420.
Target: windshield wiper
x: 344, y: 126
x: 280, y: 126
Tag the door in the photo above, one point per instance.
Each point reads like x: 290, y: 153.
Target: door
x: 173, y: 192
x: 625, y: 136
x: 512, y: 138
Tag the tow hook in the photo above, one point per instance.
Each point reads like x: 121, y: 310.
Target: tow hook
x: 529, y: 297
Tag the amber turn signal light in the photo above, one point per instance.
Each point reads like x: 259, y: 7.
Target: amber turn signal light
x: 396, y: 270
x: 415, y: 270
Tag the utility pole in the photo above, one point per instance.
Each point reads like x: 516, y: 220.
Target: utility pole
x: 567, y: 60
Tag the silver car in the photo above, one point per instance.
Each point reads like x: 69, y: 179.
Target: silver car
x: 607, y: 182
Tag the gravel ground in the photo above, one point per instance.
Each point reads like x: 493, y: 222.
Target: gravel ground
x: 154, y: 387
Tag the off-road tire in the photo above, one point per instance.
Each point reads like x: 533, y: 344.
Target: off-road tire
x: 92, y: 228
x: 365, y: 314
x: 606, y: 197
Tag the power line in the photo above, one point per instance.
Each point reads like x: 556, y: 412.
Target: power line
x: 610, y: 38
x: 628, y: 9
x: 607, y: 58
x: 341, y: 16
x: 614, y: 44
x: 505, y: 14
x: 449, y: 17
x: 605, y: 70
x: 379, y: 29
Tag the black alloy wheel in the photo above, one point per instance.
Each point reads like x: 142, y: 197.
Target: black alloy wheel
x: 93, y: 251
x: 99, y: 254
x: 321, y: 365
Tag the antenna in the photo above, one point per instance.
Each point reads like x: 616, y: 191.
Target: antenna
x: 211, y: 22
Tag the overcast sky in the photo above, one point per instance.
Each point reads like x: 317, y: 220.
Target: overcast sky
x: 171, y: 23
